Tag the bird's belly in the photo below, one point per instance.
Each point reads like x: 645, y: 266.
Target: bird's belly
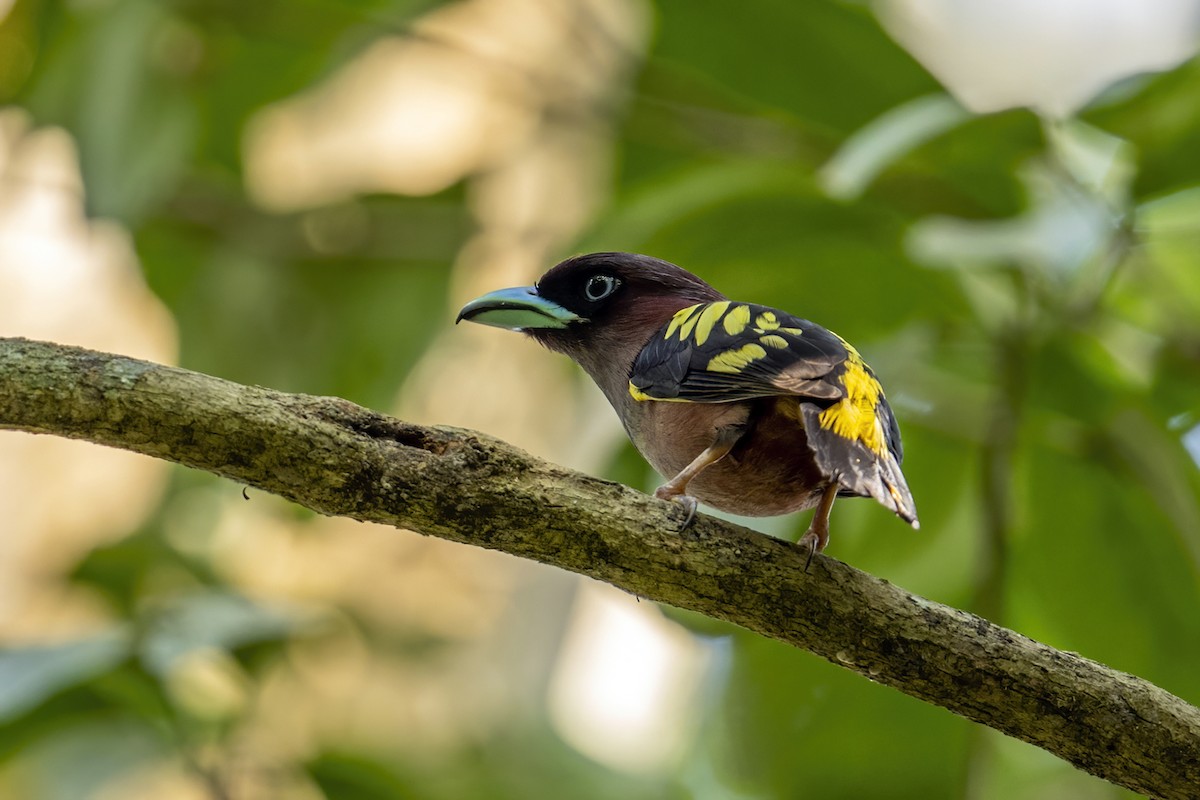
x: 770, y: 471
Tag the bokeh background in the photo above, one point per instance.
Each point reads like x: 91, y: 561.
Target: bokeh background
x: 998, y: 202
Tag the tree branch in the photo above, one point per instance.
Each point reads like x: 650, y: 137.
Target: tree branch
x: 337, y: 458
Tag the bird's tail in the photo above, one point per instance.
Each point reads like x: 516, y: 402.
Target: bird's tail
x: 859, y: 469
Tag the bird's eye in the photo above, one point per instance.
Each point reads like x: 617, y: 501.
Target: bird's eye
x: 599, y: 287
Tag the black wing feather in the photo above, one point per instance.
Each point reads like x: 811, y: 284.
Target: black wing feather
x: 794, y: 356
x: 763, y: 352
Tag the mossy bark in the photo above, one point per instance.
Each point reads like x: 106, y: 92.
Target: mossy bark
x: 337, y: 458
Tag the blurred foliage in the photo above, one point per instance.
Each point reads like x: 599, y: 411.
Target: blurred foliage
x: 1029, y: 292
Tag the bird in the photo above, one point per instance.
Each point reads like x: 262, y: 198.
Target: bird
x: 744, y: 407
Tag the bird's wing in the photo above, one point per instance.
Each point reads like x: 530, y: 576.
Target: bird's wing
x: 724, y: 351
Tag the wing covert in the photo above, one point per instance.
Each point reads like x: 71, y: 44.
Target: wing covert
x: 724, y: 351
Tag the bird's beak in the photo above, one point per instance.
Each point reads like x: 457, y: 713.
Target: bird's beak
x: 517, y: 309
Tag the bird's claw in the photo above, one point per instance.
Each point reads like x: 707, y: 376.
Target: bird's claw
x: 688, y: 502
x: 811, y: 541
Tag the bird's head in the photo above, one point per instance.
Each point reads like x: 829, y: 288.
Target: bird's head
x: 600, y: 309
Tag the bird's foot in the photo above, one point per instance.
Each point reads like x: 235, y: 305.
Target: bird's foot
x: 814, y: 540
x: 689, y: 503
x: 817, y: 535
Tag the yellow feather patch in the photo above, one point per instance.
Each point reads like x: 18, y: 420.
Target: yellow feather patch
x: 641, y: 397
x: 771, y: 340
x: 853, y: 417
x: 792, y: 331
x: 678, y: 320
x: 767, y: 321
x: 708, y: 318
x: 735, y: 360
x: 736, y: 320
x: 685, y: 330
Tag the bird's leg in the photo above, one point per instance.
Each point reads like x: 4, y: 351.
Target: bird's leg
x: 676, y: 488
x: 817, y: 535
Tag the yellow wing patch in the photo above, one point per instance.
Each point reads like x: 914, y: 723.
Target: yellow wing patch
x: 677, y: 321
x: 736, y: 320
x: 685, y: 330
x: 641, y: 397
x: 853, y: 417
x: 708, y: 318
x: 734, y: 361
x: 700, y: 320
x: 767, y: 321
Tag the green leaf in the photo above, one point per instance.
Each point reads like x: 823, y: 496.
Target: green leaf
x: 886, y: 138
x: 215, y: 619
x: 30, y: 675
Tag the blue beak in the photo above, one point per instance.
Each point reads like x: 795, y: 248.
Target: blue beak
x: 517, y: 309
